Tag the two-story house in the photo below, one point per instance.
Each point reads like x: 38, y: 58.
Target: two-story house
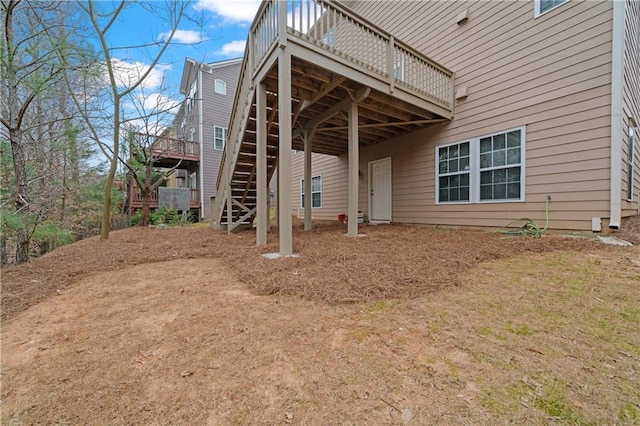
x: 209, y: 90
x: 453, y: 113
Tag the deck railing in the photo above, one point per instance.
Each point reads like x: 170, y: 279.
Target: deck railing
x: 171, y: 147
x: 136, y: 198
x: 341, y: 33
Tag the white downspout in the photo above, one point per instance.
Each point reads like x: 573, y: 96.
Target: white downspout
x: 200, y: 139
x: 617, y: 76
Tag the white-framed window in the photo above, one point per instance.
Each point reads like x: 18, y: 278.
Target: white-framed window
x: 543, y: 6
x: 191, y: 99
x: 398, y: 69
x: 633, y: 134
x: 316, y: 192
x: 330, y: 37
x: 219, y: 86
x: 219, y: 137
x: 192, y: 135
x: 501, y: 166
x: 490, y: 168
x: 454, y: 172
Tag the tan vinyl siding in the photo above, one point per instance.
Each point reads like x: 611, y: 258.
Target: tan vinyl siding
x: 551, y: 75
x: 631, y: 105
x: 216, y: 112
x: 334, y: 190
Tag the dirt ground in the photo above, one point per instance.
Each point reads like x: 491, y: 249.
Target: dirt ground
x: 407, y: 325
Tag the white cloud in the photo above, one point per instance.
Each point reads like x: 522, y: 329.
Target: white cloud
x: 184, y: 36
x: 231, y: 10
x: 233, y: 48
x: 156, y: 103
x: 128, y: 73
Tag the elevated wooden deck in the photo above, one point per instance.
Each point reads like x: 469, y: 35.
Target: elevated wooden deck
x: 308, y: 65
x: 171, y: 152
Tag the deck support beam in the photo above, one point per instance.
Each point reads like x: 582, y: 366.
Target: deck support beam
x: 261, y: 159
x: 284, y: 152
x: 354, y: 160
x: 359, y: 96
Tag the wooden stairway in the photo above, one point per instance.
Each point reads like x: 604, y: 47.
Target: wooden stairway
x: 236, y: 203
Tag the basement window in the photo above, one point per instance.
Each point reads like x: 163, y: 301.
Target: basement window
x: 316, y: 192
x: 544, y: 6
x: 485, y: 169
x: 330, y: 37
x: 501, y: 166
x: 454, y: 169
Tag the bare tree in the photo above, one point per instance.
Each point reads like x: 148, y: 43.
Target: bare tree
x: 120, y: 88
x: 148, y: 136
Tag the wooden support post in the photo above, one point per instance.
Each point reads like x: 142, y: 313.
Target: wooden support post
x: 262, y: 186
x: 277, y: 206
x: 229, y: 169
x: 354, y: 159
x: 284, y: 152
x: 308, y: 199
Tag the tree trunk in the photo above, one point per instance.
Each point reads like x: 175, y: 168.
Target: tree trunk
x: 3, y: 250
x: 106, y: 209
x: 146, y: 195
x: 13, y: 123
x: 63, y: 196
x: 21, y: 196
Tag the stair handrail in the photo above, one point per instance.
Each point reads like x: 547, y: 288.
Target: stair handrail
x: 244, y: 92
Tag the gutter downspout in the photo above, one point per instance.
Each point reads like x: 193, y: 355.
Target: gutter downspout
x: 617, y: 76
x: 200, y: 136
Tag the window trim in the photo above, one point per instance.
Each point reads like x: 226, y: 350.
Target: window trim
x: 474, y: 173
x: 329, y: 38
x: 398, y: 69
x: 312, y: 192
x: 191, y: 98
x: 470, y: 172
x: 224, y: 86
x: 536, y: 8
x: 224, y: 137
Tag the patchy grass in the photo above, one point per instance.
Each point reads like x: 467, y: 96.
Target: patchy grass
x: 563, y: 331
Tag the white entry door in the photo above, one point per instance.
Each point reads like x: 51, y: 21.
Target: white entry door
x: 380, y: 191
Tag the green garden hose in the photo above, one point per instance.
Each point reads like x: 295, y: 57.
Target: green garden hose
x: 530, y: 228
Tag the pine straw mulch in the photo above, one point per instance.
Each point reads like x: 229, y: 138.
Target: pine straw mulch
x: 392, y: 261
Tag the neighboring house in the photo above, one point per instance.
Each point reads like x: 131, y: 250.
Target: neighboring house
x: 167, y: 152
x: 453, y: 113
x: 203, y: 118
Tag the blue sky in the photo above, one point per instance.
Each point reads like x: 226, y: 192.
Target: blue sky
x: 215, y: 30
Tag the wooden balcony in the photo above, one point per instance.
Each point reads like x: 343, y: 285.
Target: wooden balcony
x: 168, y: 152
x: 325, y: 30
